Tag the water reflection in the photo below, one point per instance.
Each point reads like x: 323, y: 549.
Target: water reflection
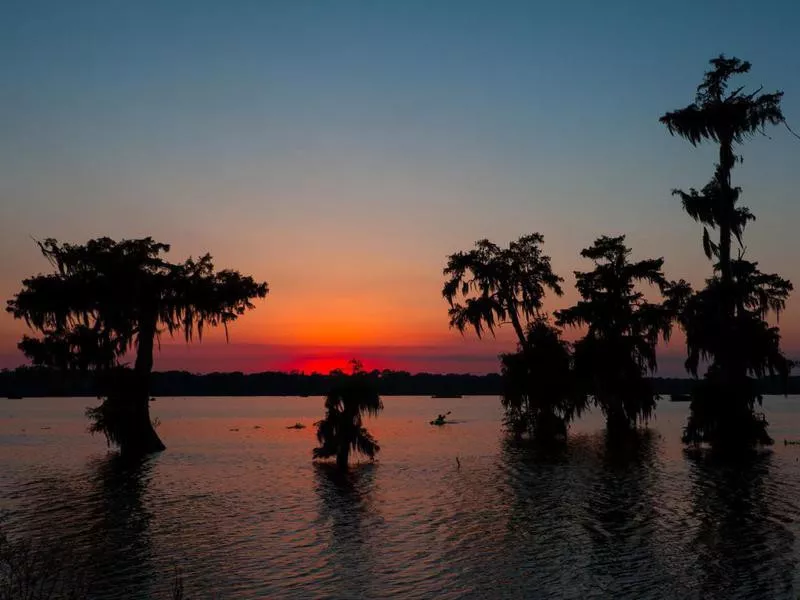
x: 120, y: 546
x: 743, y: 548
x: 254, y: 519
x: 621, y: 518
x: 543, y: 491
x: 583, y: 520
x: 345, y: 510
x: 98, y: 521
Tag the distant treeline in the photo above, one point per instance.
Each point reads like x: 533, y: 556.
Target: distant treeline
x: 42, y: 382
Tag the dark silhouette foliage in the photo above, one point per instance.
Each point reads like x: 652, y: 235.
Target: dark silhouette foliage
x: 497, y: 285
x: 724, y: 322
x: 723, y: 404
x: 727, y: 118
x: 540, y: 397
x: 622, y: 331
x: 342, y: 429
x: 105, y: 299
x: 32, y: 570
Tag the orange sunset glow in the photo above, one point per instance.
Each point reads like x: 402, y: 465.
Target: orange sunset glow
x: 345, y: 182
x: 399, y: 299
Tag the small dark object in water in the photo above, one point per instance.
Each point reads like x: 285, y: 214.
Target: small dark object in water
x: 680, y: 397
x: 14, y: 397
x: 152, y: 399
x: 791, y: 442
x: 440, y: 420
x: 233, y: 429
x: 47, y: 427
x: 296, y: 426
x: 256, y: 426
x: 447, y: 396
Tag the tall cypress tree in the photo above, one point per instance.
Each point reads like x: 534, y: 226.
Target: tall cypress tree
x: 724, y: 322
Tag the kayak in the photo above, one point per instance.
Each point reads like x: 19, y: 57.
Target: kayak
x: 438, y: 422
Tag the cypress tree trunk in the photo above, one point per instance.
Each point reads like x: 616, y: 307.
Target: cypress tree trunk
x: 735, y: 420
x: 528, y: 361
x: 342, y: 455
x: 515, y: 322
x: 140, y: 436
x: 726, y: 162
x: 617, y: 423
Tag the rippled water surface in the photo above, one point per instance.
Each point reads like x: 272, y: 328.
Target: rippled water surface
x: 236, y: 505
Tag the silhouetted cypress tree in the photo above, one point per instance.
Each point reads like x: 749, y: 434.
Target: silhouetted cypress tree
x: 724, y: 323
x: 540, y: 395
x: 617, y: 353
x: 488, y: 286
x: 342, y: 430
x: 106, y: 299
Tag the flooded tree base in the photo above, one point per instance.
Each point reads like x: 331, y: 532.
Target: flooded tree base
x: 124, y: 419
x: 724, y: 417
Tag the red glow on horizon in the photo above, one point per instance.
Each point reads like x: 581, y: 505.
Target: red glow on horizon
x: 326, y: 363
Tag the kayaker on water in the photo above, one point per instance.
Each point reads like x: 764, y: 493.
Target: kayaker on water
x: 440, y: 420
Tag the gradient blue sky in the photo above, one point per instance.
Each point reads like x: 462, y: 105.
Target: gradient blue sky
x: 341, y: 149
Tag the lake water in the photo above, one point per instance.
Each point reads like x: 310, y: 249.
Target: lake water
x: 237, y: 506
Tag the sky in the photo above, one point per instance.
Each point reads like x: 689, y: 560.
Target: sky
x: 340, y: 150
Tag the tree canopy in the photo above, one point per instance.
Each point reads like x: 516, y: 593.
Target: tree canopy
x: 725, y: 322
x: 540, y: 396
x: 342, y: 430
x: 106, y: 299
x: 103, y: 294
x: 489, y: 285
x: 622, y: 330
